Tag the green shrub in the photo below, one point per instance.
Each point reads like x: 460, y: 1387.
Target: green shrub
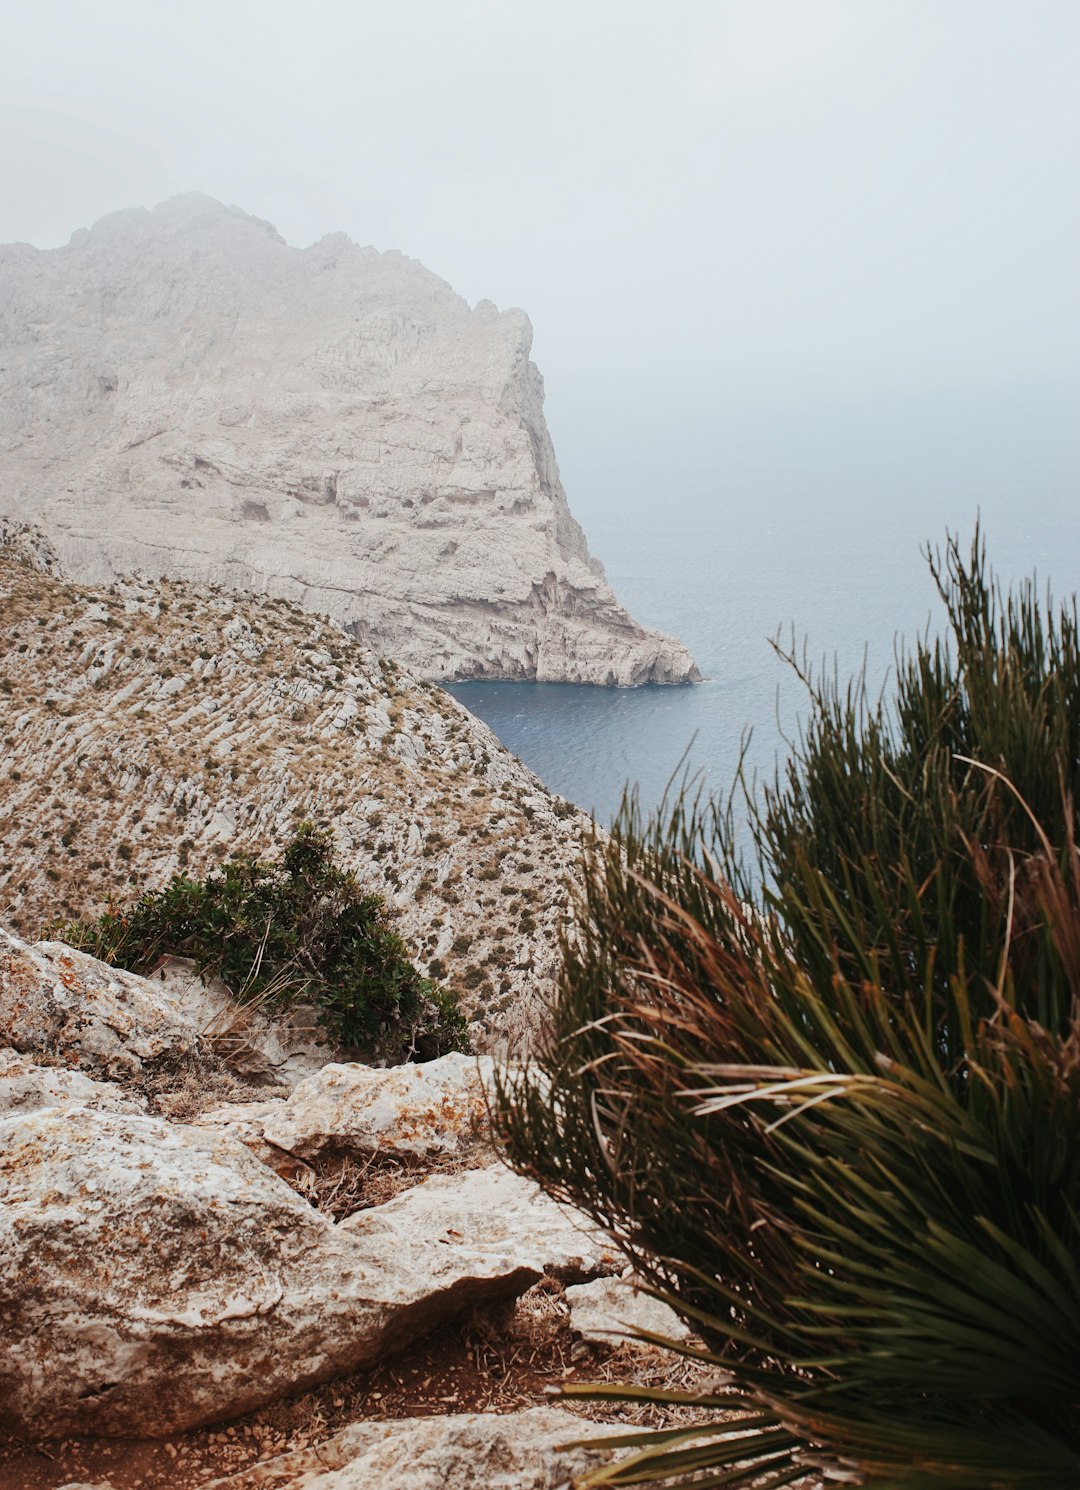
x: 300, y: 929
x: 827, y: 1094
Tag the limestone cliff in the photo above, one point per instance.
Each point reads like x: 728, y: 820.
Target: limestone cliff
x: 183, y: 394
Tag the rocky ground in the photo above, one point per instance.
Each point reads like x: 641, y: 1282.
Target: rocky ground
x: 326, y: 1283
x: 149, y: 728
x: 230, y: 1257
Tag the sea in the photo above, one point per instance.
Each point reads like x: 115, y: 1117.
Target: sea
x: 730, y: 567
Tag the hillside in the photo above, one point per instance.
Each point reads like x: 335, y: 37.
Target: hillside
x: 154, y: 726
x: 183, y: 394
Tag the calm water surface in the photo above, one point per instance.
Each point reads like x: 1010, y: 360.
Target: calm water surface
x: 727, y: 576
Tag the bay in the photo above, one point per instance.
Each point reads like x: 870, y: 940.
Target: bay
x: 729, y: 563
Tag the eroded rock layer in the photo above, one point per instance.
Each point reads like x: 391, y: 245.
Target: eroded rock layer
x: 181, y: 393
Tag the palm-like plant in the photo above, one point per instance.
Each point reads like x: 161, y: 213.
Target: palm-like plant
x: 830, y: 1101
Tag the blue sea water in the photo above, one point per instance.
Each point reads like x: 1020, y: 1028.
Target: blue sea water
x: 726, y: 571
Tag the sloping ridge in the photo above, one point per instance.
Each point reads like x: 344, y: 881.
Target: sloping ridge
x: 155, y: 726
x: 183, y: 394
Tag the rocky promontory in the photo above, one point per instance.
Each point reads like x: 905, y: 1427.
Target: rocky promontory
x: 182, y: 394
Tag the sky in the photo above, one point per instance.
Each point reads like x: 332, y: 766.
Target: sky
x: 823, y: 246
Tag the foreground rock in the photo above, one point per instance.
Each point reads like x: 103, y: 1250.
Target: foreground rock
x: 182, y: 393
x: 419, y: 1114
x: 466, y: 1451
x: 489, y: 1213
x: 58, y: 1002
x: 614, y: 1311
x: 26, y: 1087
x: 276, y: 1048
x: 434, y: 1110
x: 154, y: 1277
x: 244, y: 1122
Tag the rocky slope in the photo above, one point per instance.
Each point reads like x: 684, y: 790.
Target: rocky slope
x: 183, y: 394
x: 156, y: 726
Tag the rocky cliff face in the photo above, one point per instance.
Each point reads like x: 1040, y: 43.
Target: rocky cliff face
x: 183, y: 394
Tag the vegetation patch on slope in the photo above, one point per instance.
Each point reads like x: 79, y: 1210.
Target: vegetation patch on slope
x: 297, y: 928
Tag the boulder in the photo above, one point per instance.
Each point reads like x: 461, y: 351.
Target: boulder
x: 59, y: 1002
x: 244, y: 1121
x: 490, y: 1213
x: 155, y: 1277
x: 25, y: 1086
x: 612, y: 1311
x: 428, y: 1111
x: 464, y: 1451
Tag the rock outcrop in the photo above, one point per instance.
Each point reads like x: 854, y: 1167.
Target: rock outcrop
x: 616, y: 1311
x: 177, y: 1309
x: 26, y: 1086
x: 61, y: 1003
x: 492, y: 1212
x: 157, y: 726
x: 272, y: 1047
x: 155, y: 1276
x: 414, y: 1115
x: 430, y: 1111
x: 183, y: 394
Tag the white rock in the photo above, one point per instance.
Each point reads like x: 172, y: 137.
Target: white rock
x: 490, y: 1214
x: 153, y: 1277
x: 421, y: 1111
x: 182, y: 393
x: 56, y: 1001
x: 156, y: 1277
x: 613, y: 1310
x: 25, y: 1086
x: 279, y: 1047
x: 244, y: 1122
x: 240, y: 1120
x: 464, y: 1451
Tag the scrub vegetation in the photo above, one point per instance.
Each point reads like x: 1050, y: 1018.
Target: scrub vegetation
x: 827, y: 1091
x: 299, y: 928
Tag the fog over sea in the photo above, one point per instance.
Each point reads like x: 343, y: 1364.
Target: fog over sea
x: 814, y: 521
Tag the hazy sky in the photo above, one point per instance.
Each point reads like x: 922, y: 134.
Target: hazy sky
x: 743, y: 229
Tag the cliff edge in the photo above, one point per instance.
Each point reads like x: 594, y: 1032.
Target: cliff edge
x: 183, y: 394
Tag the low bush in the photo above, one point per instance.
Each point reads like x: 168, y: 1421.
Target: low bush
x: 827, y: 1093
x: 297, y: 929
